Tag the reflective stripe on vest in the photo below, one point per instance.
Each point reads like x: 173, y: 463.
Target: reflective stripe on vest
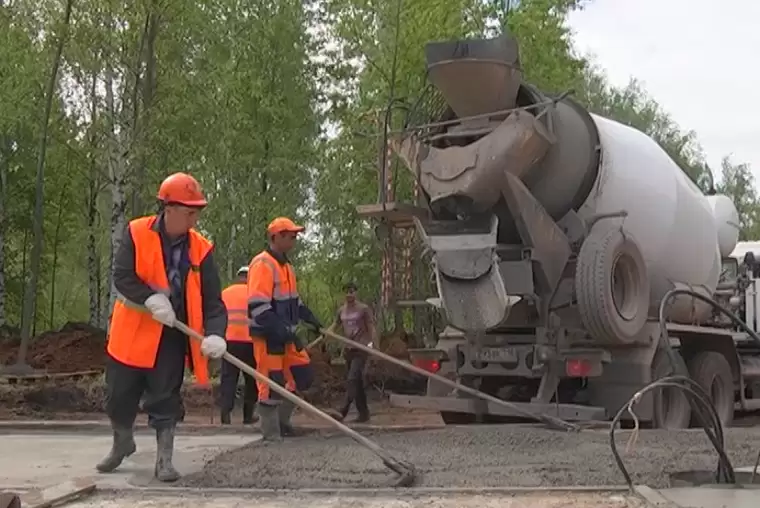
x: 282, y: 296
x: 235, y: 299
x: 134, y: 335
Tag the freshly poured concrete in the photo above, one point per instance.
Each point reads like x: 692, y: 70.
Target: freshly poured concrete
x: 473, y: 456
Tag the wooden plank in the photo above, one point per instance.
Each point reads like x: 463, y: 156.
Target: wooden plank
x: 58, y: 494
x: 399, y: 214
x: 48, y: 377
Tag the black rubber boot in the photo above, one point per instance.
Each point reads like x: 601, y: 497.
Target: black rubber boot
x: 362, y: 418
x: 286, y: 412
x: 165, y: 471
x: 225, y: 418
x: 270, y: 422
x: 248, y: 416
x: 123, y: 446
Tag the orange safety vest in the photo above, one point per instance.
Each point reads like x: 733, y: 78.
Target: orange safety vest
x: 134, y: 335
x: 272, y: 285
x: 235, y: 299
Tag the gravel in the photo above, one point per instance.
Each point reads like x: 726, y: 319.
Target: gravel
x: 473, y: 456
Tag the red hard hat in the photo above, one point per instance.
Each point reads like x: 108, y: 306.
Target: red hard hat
x: 182, y: 189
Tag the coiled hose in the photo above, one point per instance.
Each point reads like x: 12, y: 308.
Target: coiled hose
x: 698, y: 398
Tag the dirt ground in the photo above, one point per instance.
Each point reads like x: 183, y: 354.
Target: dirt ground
x: 78, y: 347
x: 75, y: 347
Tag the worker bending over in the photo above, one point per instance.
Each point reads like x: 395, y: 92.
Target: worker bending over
x: 358, y: 324
x: 167, y: 267
x: 239, y: 344
x: 275, y: 309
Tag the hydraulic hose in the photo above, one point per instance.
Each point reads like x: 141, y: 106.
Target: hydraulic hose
x: 699, y: 400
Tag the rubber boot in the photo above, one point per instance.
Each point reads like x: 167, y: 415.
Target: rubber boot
x: 286, y: 412
x: 269, y: 418
x: 248, y: 416
x: 165, y: 471
x: 225, y: 418
x: 123, y: 446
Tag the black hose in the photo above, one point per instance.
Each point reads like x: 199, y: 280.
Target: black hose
x: 696, y: 395
x: 699, y: 400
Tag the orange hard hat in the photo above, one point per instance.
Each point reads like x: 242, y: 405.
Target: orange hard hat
x: 182, y: 189
x: 283, y: 225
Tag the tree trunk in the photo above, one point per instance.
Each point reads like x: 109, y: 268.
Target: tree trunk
x: 148, y: 52
x: 117, y: 176
x: 56, y: 235
x: 31, y: 289
x: 4, y: 159
x: 93, y: 259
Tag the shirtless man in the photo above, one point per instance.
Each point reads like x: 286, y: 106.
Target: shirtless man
x: 358, y: 324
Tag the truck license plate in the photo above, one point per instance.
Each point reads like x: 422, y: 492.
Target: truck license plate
x: 497, y: 355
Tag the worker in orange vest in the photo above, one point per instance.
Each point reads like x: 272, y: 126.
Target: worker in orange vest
x: 275, y: 309
x: 164, y: 272
x: 239, y: 344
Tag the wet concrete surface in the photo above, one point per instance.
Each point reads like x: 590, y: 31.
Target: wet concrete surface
x: 473, y: 456
x: 549, y: 500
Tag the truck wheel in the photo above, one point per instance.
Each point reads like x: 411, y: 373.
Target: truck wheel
x: 713, y: 373
x: 671, y: 409
x: 451, y: 418
x: 612, y: 285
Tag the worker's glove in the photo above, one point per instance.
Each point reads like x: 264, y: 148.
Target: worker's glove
x: 213, y: 346
x: 159, y: 305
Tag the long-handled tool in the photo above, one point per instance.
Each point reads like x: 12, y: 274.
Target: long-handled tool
x: 406, y: 471
x: 551, y: 421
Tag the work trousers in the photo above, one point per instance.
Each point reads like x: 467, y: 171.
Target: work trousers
x: 355, y: 389
x: 290, y: 368
x: 159, y: 387
x: 229, y: 380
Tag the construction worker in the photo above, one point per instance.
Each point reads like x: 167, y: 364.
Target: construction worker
x: 165, y: 266
x: 358, y: 324
x: 275, y: 309
x: 239, y: 344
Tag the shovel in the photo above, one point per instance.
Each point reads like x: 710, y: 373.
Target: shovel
x: 406, y: 471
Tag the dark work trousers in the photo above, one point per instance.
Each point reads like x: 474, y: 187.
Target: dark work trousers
x: 244, y: 352
x: 161, y: 386
x: 355, y: 389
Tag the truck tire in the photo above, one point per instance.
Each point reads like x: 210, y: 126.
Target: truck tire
x: 612, y: 285
x: 713, y: 373
x: 670, y: 407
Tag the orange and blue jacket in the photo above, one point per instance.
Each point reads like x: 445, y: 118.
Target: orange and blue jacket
x: 274, y: 306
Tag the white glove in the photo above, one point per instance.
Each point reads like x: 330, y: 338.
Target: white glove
x: 213, y: 346
x: 161, y: 308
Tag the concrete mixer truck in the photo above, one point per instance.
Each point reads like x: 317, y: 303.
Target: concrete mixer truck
x: 554, y: 235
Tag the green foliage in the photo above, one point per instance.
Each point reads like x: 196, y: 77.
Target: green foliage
x: 738, y: 183
x: 277, y: 107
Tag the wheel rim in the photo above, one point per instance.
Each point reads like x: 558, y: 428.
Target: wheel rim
x: 624, y: 286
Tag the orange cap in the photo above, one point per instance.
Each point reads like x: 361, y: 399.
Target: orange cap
x: 283, y: 225
x: 182, y: 189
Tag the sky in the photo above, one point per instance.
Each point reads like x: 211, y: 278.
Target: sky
x: 684, y: 52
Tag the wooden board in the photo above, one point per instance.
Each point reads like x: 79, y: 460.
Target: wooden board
x: 58, y: 494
